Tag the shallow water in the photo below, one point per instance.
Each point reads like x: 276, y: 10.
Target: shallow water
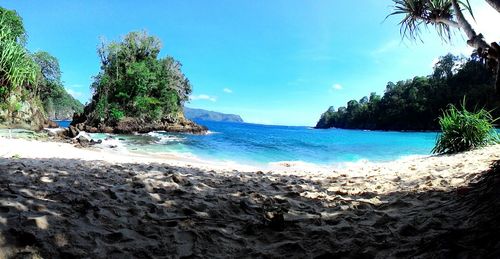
x: 262, y: 144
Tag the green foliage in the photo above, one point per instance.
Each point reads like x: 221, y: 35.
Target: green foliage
x: 12, y: 20
x: 17, y: 106
x: 50, y: 88
x: 136, y: 82
x: 463, y: 130
x: 116, y: 114
x: 101, y: 109
x: 417, y: 103
x: 17, y: 68
x: 49, y: 71
x: 422, y: 13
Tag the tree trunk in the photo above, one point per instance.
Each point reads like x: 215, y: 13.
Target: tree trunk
x: 495, y: 4
x: 475, y: 41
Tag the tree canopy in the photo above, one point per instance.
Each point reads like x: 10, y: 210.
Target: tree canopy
x: 446, y: 15
x: 12, y: 20
x: 416, y: 104
x: 57, y: 103
x: 134, y: 82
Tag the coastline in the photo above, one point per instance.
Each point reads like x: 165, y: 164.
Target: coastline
x: 32, y: 147
x: 36, y: 148
x: 58, y: 200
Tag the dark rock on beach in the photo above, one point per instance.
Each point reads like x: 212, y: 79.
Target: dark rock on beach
x: 130, y: 125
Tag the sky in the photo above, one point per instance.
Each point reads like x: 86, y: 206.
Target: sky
x: 281, y: 62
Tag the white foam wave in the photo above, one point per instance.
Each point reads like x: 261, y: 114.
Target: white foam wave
x: 209, y: 132
x: 113, y: 144
x: 163, y: 138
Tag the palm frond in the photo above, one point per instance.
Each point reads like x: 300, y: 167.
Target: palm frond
x: 17, y: 68
x: 418, y: 13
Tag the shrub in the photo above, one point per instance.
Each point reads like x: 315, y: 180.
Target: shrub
x: 463, y: 130
x: 116, y: 114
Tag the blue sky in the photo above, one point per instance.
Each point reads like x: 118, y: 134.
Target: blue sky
x: 272, y: 62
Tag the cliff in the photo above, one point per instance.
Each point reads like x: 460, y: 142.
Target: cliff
x: 60, y: 105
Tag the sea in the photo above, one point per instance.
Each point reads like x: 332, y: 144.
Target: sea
x: 256, y: 144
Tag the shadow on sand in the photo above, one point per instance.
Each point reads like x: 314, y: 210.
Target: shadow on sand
x: 57, y: 208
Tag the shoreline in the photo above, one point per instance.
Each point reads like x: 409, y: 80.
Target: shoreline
x: 49, y: 149
x: 57, y: 200
x: 123, y: 154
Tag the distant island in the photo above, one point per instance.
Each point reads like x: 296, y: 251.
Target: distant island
x: 416, y: 104
x: 200, y: 114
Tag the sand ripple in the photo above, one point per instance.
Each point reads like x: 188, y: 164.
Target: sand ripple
x: 427, y: 207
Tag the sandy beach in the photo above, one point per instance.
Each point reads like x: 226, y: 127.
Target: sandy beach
x: 59, y: 201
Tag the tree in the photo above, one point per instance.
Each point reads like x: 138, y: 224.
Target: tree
x: 495, y: 4
x: 135, y: 82
x: 49, y: 71
x: 17, y: 69
x: 11, y: 19
x: 446, y: 15
x: 417, y: 103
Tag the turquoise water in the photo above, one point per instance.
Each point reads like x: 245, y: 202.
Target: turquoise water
x: 258, y: 144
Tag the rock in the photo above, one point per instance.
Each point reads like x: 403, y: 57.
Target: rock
x: 27, y: 115
x: 108, y: 130
x: 51, y: 124
x: 63, y: 133
x: 57, y: 133
x: 83, y: 141
x: 73, y: 131
x: 171, y: 123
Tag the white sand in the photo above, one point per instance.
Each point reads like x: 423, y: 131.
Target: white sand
x: 60, y: 201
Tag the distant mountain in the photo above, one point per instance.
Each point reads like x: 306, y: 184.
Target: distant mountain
x: 200, y: 114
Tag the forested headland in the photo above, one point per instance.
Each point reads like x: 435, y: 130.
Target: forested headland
x: 31, y: 90
x: 415, y: 104
x: 136, y: 90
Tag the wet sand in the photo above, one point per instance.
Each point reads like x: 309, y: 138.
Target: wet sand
x: 58, y: 201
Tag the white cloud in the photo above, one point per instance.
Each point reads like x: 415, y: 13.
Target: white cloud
x: 337, y: 87
x: 227, y: 90
x: 204, y: 97
x: 74, y: 93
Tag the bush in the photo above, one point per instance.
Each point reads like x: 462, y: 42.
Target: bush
x: 463, y: 130
x: 116, y: 114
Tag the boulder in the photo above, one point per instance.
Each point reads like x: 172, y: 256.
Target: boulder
x: 73, y: 131
x: 51, y: 124
x: 57, y: 133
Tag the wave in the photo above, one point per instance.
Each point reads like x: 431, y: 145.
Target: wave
x: 162, y: 137
x: 209, y: 132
